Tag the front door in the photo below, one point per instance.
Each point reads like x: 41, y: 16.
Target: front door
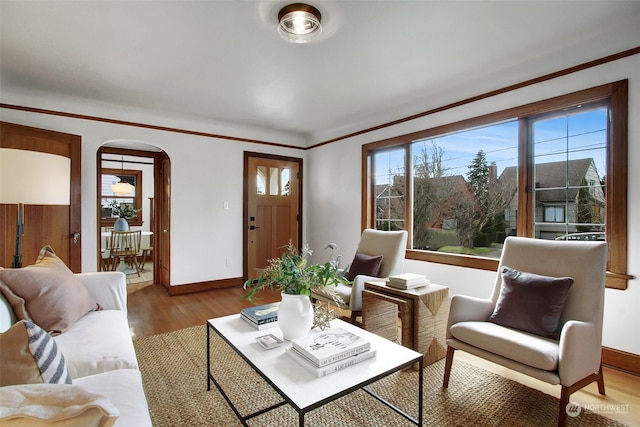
x: 272, y: 208
x: 56, y: 225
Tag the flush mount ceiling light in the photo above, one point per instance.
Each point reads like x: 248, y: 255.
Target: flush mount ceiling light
x: 299, y: 23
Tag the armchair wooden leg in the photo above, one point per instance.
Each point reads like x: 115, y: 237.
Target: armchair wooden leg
x: 447, y: 366
x: 568, y: 390
x: 562, y: 411
x: 600, y: 381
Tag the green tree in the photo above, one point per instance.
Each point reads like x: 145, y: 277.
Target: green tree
x: 488, y: 197
x: 430, y: 190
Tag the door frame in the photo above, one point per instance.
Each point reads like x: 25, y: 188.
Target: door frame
x: 245, y: 201
x: 67, y: 145
x: 161, y: 190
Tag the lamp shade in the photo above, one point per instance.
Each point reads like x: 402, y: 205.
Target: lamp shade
x: 36, y: 178
x: 122, y: 188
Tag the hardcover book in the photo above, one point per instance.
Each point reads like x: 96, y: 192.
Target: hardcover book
x: 330, y: 346
x: 329, y: 369
x: 407, y: 281
x: 261, y: 326
x: 262, y: 313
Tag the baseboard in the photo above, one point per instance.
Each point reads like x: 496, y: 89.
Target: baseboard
x: 205, y: 286
x: 621, y: 360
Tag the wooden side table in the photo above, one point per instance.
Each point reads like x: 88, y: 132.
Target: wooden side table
x: 423, y: 312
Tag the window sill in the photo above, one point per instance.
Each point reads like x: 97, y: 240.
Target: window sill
x: 613, y: 280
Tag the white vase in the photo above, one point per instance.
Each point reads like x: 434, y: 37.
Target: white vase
x: 295, y: 316
x: 121, y: 224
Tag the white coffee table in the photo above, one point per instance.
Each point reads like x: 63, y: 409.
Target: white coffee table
x: 300, y: 389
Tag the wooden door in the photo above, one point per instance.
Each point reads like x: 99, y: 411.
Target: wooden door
x: 58, y: 226
x: 162, y: 226
x: 272, y: 208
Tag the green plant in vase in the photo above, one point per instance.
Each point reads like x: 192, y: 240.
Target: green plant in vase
x: 292, y: 274
x: 123, y: 211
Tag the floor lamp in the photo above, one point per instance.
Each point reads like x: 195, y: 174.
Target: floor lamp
x: 35, y: 178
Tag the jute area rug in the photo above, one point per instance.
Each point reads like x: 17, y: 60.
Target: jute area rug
x: 174, y: 366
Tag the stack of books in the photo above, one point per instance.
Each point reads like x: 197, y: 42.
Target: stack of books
x: 407, y: 281
x: 261, y: 316
x: 329, y: 351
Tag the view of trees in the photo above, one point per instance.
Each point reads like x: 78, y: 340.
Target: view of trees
x: 445, y: 202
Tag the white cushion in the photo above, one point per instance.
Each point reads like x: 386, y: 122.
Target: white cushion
x: 124, y: 390
x: 98, y: 342
x: 523, y: 347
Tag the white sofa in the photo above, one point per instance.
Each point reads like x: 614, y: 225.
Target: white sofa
x: 98, y: 348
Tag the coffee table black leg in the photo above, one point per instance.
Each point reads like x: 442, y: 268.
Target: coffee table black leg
x: 208, y: 358
x: 420, y: 386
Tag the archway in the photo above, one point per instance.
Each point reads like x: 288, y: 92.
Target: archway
x: 147, y: 167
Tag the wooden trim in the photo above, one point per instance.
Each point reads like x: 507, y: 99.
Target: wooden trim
x: 366, y: 185
x: 618, y: 359
x: 459, y: 260
x: 530, y: 82
x: 205, y: 286
x: 144, y: 125
x: 137, y: 198
x: 245, y: 200
x: 613, y: 95
x: 537, y: 108
x: 65, y: 145
x: 485, y: 95
x: 617, y: 181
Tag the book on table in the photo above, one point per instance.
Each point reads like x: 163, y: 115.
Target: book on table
x: 260, y: 326
x: 407, y: 281
x: 262, y: 313
x: 329, y: 346
x: 331, y: 368
x: 261, y: 316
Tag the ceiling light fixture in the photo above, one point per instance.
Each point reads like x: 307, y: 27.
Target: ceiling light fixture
x: 299, y: 23
x: 122, y: 188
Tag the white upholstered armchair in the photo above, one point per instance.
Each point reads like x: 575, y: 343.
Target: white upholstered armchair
x: 554, y: 340
x: 384, y: 248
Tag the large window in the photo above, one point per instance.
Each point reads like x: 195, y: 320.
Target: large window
x: 554, y: 169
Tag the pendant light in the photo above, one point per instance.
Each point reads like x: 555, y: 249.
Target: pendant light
x: 122, y: 188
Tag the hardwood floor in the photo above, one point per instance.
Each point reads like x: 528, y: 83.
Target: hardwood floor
x: 152, y: 311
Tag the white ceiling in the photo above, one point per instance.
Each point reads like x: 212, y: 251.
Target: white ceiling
x: 223, y: 61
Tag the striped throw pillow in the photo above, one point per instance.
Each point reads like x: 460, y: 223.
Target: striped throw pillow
x: 29, y: 356
x: 49, y: 359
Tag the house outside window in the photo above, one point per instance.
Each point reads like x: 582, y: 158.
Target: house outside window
x: 540, y: 170
x: 553, y: 214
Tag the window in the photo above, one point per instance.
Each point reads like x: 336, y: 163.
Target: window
x: 555, y: 169
x: 131, y: 201
x: 389, y: 190
x: 277, y: 180
x: 553, y: 214
x: 570, y: 156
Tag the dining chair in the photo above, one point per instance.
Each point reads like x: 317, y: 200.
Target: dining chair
x: 125, y: 247
x: 105, y: 250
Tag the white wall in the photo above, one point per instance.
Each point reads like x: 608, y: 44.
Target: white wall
x: 208, y: 171
x: 334, y: 202
x: 205, y: 173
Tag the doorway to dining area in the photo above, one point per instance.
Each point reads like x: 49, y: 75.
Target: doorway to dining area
x: 133, y: 194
